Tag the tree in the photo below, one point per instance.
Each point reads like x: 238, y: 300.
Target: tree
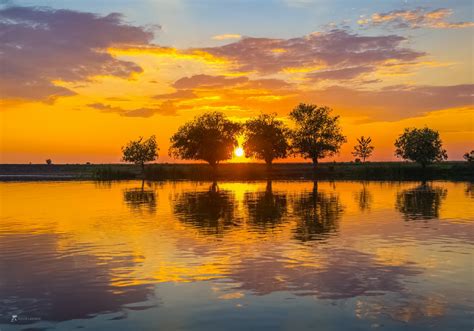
x: 317, y: 134
x: 210, y: 137
x: 49, y: 162
x: 140, y: 151
x: 364, y: 149
x: 469, y: 157
x: 420, y: 145
x: 266, y: 138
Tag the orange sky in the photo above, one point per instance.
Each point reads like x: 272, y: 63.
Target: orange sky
x: 76, y: 86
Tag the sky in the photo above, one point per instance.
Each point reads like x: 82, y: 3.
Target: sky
x: 79, y: 79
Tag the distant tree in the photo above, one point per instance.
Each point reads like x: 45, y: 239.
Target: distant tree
x: 140, y: 151
x: 210, y: 137
x: 317, y: 134
x: 420, y: 145
x: 48, y: 161
x: 469, y: 157
x: 266, y: 138
x: 364, y: 149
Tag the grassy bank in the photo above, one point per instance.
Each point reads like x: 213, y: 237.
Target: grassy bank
x: 247, y: 171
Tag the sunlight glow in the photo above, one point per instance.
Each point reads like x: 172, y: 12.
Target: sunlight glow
x: 239, y: 152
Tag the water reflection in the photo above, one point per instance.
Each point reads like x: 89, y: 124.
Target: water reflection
x: 37, y: 279
x: 61, y: 260
x: 470, y: 190
x: 267, y: 208
x: 140, y: 200
x: 317, y: 214
x: 363, y: 198
x: 341, y: 273
x: 421, y: 203
x: 210, y: 211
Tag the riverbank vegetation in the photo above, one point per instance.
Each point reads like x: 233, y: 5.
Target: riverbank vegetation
x: 451, y: 170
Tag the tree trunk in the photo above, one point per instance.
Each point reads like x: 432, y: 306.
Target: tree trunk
x: 315, y: 165
x: 213, y: 165
x: 143, y: 169
x: 269, y: 168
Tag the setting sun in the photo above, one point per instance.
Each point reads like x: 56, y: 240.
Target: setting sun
x: 239, y: 152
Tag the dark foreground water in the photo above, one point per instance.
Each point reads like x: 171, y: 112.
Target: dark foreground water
x: 236, y: 256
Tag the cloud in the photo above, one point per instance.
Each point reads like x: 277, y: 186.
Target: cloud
x: 208, y: 81
x: 393, y: 102
x: 340, y: 74
x: 226, y: 36
x: 335, y: 48
x: 41, y: 46
x: 167, y: 109
x: 180, y: 94
x: 414, y: 19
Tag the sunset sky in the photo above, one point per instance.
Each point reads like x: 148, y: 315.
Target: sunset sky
x: 78, y: 79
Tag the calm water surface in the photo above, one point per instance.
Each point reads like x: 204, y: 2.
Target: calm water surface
x: 236, y: 256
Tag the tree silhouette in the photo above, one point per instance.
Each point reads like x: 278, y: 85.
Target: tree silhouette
x: 317, y: 134
x: 469, y: 157
x: 266, y: 138
x: 140, y: 151
x: 317, y: 214
x: 210, y: 137
x: 420, y: 145
x: 364, y: 149
x: 49, y: 162
x: 421, y: 202
x: 266, y: 208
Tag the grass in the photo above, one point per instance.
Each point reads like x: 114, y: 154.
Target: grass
x: 241, y: 171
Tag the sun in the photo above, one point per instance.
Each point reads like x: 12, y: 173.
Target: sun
x: 239, y: 152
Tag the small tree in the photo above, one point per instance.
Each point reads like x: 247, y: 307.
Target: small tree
x: 210, y: 137
x: 49, y: 162
x: 266, y: 138
x: 140, y: 151
x: 420, y: 145
x: 364, y: 149
x: 469, y: 157
x: 317, y: 134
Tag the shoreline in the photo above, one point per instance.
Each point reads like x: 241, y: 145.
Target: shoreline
x: 379, y: 171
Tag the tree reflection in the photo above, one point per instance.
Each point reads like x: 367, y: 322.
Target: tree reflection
x: 139, y: 199
x: 318, y: 214
x: 363, y: 198
x: 421, y: 203
x: 266, y: 208
x: 470, y: 190
x: 210, y: 211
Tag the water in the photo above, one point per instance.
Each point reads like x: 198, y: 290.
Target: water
x: 236, y: 256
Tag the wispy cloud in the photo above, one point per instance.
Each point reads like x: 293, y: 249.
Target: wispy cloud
x: 226, y: 36
x: 414, y: 19
x: 167, y: 108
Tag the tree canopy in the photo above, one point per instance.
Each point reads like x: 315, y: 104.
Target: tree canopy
x: 469, y: 157
x: 140, y: 151
x: 363, y: 149
x: 420, y: 145
x: 317, y: 134
x: 266, y: 138
x: 210, y: 137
